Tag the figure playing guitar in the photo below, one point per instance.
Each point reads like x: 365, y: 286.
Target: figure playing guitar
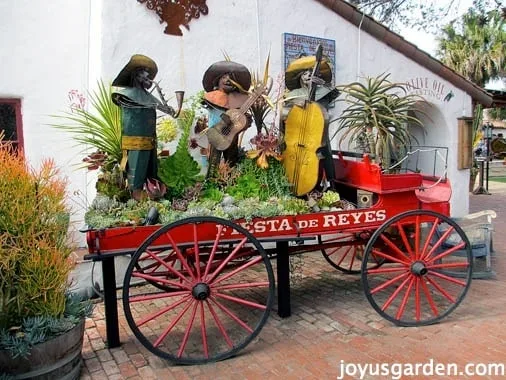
x: 221, y: 97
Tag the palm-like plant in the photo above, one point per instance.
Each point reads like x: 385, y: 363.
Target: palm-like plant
x: 378, y: 108
x: 475, y: 48
x: 98, y: 128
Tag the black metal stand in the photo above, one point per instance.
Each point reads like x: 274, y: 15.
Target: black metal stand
x: 481, y: 189
x: 283, y: 271
x: 110, y: 302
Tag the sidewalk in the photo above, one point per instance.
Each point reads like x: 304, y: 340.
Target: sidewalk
x: 332, y: 322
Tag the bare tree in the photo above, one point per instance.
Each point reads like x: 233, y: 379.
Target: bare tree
x: 429, y: 15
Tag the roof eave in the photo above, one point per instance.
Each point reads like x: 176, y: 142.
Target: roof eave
x: 396, y: 42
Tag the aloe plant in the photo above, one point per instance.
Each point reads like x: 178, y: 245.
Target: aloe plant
x: 380, y: 107
x: 98, y: 128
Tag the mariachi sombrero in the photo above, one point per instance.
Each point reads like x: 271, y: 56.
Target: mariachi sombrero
x: 137, y: 61
x: 296, y: 67
x: 239, y: 73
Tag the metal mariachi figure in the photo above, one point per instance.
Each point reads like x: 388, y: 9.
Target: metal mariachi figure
x: 138, y: 112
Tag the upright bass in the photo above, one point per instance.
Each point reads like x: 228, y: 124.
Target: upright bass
x: 305, y: 128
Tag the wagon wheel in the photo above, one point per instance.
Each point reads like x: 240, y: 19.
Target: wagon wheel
x: 427, y: 271
x: 207, y: 304
x: 347, y: 255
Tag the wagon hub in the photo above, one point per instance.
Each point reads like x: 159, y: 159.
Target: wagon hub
x: 418, y: 268
x: 201, y: 291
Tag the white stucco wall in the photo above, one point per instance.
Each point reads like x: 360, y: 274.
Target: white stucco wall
x: 44, y: 54
x: 49, y: 48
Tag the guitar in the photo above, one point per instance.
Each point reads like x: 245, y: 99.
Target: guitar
x: 233, y: 121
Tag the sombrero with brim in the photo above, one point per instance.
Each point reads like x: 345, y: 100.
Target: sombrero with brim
x: 137, y: 61
x: 299, y: 65
x: 239, y: 73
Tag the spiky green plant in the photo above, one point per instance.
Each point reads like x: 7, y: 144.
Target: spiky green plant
x: 34, y: 250
x: 97, y: 128
x: 380, y: 106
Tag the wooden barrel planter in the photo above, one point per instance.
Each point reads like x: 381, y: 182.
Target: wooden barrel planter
x: 58, y: 358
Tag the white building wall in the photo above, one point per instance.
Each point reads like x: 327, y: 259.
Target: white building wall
x: 44, y: 54
x: 49, y: 48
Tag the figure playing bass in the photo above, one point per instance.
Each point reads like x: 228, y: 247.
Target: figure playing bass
x: 307, y: 152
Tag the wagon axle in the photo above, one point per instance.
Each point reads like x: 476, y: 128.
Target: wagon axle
x: 201, y: 291
x: 418, y: 268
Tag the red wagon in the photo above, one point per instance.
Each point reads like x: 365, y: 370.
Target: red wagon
x: 200, y: 289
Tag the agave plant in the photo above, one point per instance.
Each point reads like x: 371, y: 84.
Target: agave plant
x: 98, y: 128
x: 378, y: 108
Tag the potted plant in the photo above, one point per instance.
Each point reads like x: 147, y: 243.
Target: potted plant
x: 377, y: 116
x: 41, y: 324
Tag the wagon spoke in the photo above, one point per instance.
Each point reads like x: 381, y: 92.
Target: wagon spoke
x: 417, y: 237
x: 428, y: 239
x: 440, y: 241
x: 197, y: 251
x: 240, y: 301
x: 214, y: 313
x: 377, y: 252
x: 429, y: 298
x: 418, y: 312
x: 188, y: 329
x: 449, y: 265
x: 427, y: 281
x: 448, y: 252
x: 246, y: 285
x: 394, y: 295
x: 448, y: 278
x: 203, y: 330
x: 387, y: 270
x: 157, y: 296
x: 162, y: 311
x: 180, y: 255
x: 389, y: 282
x: 171, y: 326
x: 220, y: 326
x: 404, y: 301
x: 232, y: 315
x: 347, y: 255
x: 243, y: 267
x: 213, y: 251
x: 441, y: 290
x: 226, y: 261
x: 166, y: 265
x: 160, y: 280
x: 405, y: 240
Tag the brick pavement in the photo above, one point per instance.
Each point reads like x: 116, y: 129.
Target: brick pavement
x: 331, y: 322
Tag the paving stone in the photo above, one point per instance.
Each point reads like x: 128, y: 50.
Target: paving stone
x: 331, y: 323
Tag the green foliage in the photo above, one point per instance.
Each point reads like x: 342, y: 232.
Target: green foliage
x: 474, y: 46
x: 380, y: 107
x: 212, y: 193
x: 246, y: 186
x: 99, y: 128
x: 34, y: 251
x: 328, y: 199
x: 180, y: 171
x: 33, y: 330
x: 272, y: 180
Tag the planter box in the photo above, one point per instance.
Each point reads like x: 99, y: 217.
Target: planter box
x: 58, y: 358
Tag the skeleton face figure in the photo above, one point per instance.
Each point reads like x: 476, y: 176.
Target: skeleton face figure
x: 141, y: 79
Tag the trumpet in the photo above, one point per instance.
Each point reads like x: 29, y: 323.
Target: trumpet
x: 179, y: 99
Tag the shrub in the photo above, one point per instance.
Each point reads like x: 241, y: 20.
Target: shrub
x: 34, y: 251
